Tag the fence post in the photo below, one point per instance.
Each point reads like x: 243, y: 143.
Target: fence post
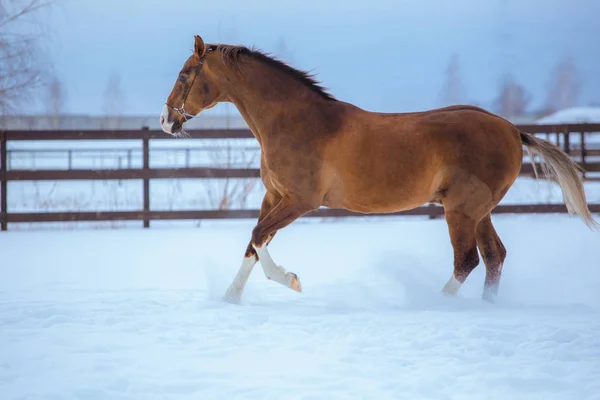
x: 583, y: 153
x: 3, y: 183
x: 146, y: 169
x: 567, y: 142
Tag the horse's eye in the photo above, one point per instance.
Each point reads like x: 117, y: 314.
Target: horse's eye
x: 182, y: 79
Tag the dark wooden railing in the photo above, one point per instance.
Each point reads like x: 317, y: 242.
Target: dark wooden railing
x: 588, y: 156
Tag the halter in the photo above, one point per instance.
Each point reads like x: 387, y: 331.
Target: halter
x: 181, y: 110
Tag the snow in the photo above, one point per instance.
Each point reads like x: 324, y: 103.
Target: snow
x: 572, y: 115
x: 137, y: 314
x: 576, y: 115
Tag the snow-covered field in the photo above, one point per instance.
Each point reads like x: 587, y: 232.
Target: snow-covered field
x: 137, y: 314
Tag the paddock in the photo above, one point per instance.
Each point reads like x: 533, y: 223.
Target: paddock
x: 137, y: 313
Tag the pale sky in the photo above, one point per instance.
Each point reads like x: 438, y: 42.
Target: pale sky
x: 383, y: 55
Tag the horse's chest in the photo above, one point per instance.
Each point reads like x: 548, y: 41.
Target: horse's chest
x: 288, y: 172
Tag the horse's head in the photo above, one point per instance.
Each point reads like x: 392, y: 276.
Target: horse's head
x: 195, y: 90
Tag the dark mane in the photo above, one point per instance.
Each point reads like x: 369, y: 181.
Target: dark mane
x: 230, y: 55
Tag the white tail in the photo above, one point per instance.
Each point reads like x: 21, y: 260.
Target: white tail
x: 557, y: 165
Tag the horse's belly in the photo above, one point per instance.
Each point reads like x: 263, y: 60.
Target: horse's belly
x: 372, y: 195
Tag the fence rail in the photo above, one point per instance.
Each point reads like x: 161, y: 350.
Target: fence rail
x: 564, y: 134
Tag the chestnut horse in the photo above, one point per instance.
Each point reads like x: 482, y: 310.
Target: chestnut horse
x: 319, y: 151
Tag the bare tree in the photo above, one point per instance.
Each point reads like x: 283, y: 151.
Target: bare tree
x: 20, y: 51
x: 453, y: 91
x: 564, y: 86
x: 282, y: 51
x: 114, y: 100
x: 513, y: 99
x: 56, y: 96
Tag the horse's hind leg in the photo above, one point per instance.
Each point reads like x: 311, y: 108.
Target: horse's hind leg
x: 493, y: 253
x: 466, y: 200
x: 462, y: 236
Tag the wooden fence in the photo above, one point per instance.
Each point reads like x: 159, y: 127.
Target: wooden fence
x: 588, y: 156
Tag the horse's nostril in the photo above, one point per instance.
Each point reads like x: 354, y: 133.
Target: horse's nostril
x: 162, y: 120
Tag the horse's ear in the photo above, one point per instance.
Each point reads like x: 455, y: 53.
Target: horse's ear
x: 199, y: 46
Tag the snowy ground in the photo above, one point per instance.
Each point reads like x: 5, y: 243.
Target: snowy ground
x: 136, y: 314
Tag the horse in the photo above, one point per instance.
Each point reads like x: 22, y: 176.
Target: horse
x: 318, y: 151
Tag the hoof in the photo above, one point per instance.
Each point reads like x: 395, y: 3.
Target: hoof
x: 295, y: 283
x: 451, y: 287
x: 490, y: 293
x: 232, y: 299
x: 489, y: 297
x: 232, y: 296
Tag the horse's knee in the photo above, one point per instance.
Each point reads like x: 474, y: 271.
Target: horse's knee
x: 250, y: 252
x: 258, y: 237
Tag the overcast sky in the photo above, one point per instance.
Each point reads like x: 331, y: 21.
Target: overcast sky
x: 385, y: 55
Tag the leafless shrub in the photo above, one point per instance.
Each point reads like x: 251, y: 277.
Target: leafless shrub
x: 231, y: 192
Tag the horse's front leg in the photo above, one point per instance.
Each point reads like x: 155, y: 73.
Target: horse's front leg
x: 286, y: 211
x: 235, y: 290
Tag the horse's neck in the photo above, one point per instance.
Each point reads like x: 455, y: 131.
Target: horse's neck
x: 266, y: 97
